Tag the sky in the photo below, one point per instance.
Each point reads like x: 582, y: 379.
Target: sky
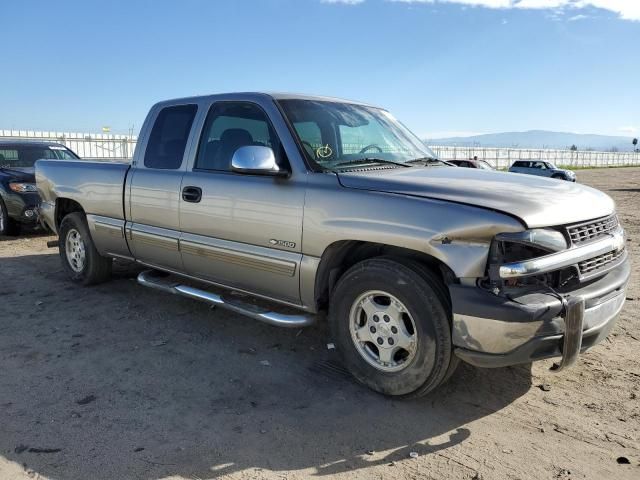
x: 443, y: 67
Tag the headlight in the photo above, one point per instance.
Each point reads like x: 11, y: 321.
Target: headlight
x: 545, y: 238
x: 23, y: 187
x: 521, y: 246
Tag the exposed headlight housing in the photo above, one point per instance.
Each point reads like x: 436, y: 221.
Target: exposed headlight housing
x: 23, y: 187
x: 520, y: 246
x: 545, y: 238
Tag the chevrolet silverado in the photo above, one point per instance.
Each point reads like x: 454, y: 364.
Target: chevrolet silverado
x: 296, y: 206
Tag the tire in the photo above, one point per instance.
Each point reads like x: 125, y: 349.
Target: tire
x: 382, y: 285
x: 8, y: 226
x: 442, y: 290
x: 558, y: 176
x: 83, y: 264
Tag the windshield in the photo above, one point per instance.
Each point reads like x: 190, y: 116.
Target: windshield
x: 484, y: 165
x: 551, y: 166
x: 25, y: 156
x: 334, y: 135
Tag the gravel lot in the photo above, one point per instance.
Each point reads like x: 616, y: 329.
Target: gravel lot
x: 118, y: 381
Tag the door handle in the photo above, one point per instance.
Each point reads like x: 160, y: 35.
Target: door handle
x: 192, y: 194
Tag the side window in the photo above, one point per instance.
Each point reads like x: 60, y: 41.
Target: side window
x: 310, y: 136
x: 61, y: 153
x: 229, y: 126
x: 8, y: 157
x: 168, y: 138
x: 309, y: 132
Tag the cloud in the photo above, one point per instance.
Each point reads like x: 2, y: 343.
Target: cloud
x: 575, y: 18
x: 626, y: 9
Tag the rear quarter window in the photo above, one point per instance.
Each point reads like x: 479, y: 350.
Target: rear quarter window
x: 24, y: 156
x: 8, y: 156
x: 169, y: 135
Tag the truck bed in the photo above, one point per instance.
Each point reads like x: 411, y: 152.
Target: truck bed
x: 97, y: 186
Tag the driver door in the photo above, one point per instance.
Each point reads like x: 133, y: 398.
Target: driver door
x: 539, y: 169
x: 244, y: 231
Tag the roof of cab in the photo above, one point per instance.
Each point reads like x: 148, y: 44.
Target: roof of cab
x: 28, y: 143
x: 272, y: 95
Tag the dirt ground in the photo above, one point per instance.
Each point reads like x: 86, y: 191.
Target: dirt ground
x: 118, y: 381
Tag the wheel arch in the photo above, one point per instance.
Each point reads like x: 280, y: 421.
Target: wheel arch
x: 338, y: 257
x: 65, y: 206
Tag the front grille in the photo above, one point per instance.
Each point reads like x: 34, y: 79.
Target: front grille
x: 596, y: 263
x: 594, y: 229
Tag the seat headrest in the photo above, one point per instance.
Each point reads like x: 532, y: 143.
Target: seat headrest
x: 237, y: 136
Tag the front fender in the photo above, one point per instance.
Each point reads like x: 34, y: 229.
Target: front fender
x: 455, y: 234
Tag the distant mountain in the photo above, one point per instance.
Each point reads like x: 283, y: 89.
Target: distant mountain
x: 540, y: 139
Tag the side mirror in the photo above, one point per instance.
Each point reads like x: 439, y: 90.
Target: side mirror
x: 256, y: 160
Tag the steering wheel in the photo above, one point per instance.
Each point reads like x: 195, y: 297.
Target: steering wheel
x: 369, y: 147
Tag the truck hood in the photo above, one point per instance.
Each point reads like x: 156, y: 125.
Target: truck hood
x: 536, y: 201
x: 19, y: 174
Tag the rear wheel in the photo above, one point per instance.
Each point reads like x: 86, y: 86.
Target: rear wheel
x: 79, y: 256
x: 391, y: 324
x: 8, y: 226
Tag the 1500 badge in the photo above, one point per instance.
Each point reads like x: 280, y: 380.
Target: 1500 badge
x: 282, y: 243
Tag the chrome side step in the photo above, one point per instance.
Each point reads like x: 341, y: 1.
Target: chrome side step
x: 153, y: 279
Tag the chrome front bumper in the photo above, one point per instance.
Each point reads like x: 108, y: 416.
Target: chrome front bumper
x: 535, y: 326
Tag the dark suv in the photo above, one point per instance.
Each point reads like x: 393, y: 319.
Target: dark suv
x: 18, y: 195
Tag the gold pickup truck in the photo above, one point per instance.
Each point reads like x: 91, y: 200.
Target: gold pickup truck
x: 315, y: 205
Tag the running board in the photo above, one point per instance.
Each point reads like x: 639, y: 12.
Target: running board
x: 153, y: 279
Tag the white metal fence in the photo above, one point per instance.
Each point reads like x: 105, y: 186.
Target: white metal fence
x: 93, y: 146
x: 101, y: 146
x: 504, y: 157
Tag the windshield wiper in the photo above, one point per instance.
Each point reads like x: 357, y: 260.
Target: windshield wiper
x: 370, y: 160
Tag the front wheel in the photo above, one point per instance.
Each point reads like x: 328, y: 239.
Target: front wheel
x: 390, y: 321
x: 8, y: 227
x: 79, y: 256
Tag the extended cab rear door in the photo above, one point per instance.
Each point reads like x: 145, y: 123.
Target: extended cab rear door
x: 153, y: 227
x: 242, y: 231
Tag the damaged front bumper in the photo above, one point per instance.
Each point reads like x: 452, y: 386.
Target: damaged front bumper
x: 492, y: 330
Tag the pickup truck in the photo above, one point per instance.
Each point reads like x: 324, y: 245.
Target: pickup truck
x: 299, y: 206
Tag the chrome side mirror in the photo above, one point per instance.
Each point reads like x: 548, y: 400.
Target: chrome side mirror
x: 256, y: 160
